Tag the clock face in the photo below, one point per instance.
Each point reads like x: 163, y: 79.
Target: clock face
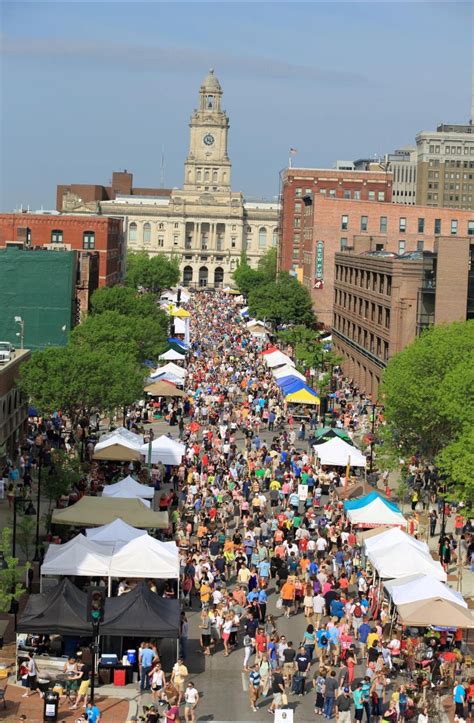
x: 208, y: 139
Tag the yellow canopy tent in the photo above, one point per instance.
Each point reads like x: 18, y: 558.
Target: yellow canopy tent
x: 181, y: 313
x: 117, y: 453
x: 95, y: 511
x: 162, y: 388
x: 302, y: 397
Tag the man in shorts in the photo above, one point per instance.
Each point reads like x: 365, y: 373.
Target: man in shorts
x: 358, y: 698
x: 278, y: 688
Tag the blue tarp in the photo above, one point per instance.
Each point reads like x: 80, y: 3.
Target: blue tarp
x: 285, y: 381
x: 366, y: 500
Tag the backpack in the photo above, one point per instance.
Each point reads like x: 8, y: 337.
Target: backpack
x: 357, y: 611
x: 323, y: 640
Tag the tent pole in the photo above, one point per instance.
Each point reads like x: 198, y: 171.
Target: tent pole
x: 109, y: 590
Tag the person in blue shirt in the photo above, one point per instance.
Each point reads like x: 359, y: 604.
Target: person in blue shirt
x: 337, y: 608
x: 294, y: 500
x: 92, y: 713
x: 364, y: 631
x: 322, y: 640
x: 264, y: 570
x: 459, y: 697
x: 262, y: 599
x: 146, y: 658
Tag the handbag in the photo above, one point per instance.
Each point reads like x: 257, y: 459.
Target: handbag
x: 284, y: 699
x: 279, y: 604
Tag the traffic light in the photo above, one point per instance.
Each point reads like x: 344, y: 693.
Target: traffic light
x: 96, y: 597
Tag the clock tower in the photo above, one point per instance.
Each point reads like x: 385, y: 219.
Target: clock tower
x: 207, y: 166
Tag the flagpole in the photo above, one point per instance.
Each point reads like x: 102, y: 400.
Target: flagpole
x: 290, y: 163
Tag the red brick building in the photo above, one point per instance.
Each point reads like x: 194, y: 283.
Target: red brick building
x: 330, y: 225
x: 373, y: 186
x: 76, y: 233
x: 122, y: 185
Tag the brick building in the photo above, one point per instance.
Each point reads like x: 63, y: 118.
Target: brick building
x: 383, y: 300
x: 122, y: 185
x: 13, y: 405
x: 74, y: 233
x: 297, y: 183
x: 332, y: 224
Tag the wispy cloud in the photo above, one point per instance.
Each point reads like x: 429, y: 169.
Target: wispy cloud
x: 176, y: 59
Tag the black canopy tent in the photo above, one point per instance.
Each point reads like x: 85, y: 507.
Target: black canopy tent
x: 60, y: 611
x: 63, y: 611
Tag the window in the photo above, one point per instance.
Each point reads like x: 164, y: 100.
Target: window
x: 454, y: 227
x: 356, y: 195
x: 383, y: 224
x: 437, y: 226
x: 364, y: 222
x: 262, y: 237
x: 402, y: 224
x: 88, y: 240
x: 233, y: 242
x: 175, y: 240
x: 297, y: 222
x: 344, y: 223
x: 343, y: 243
x: 371, y: 195
x: 381, y: 195
x: 332, y: 193
x: 470, y: 228
x: 421, y: 225
x: 347, y: 194
x: 146, y: 233
x: 297, y: 207
x: 420, y: 244
x: 176, y: 225
x: 275, y: 237
x: 298, y: 192
x: 57, y: 237
x: 401, y: 247
x: 132, y: 231
x: 161, y: 240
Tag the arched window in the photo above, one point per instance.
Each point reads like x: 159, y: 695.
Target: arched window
x: 146, y: 233
x: 132, y: 231
x: 203, y: 276
x: 206, y: 175
x: 262, y: 237
x: 198, y: 175
x: 218, y: 275
x: 214, y: 176
x: 187, y: 275
x: 275, y: 237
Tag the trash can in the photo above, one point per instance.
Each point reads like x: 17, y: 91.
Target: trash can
x: 119, y: 677
x: 51, y: 706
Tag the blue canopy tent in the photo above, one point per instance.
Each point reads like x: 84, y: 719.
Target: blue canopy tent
x: 366, y: 500
x: 180, y: 342
x: 293, y: 389
x: 288, y: 381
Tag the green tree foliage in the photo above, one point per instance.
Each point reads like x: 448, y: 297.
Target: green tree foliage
x: 284, y: 301
x: 77, y: 379
x: 59, y: 478
x: 11, y: 579
x: 143, y: 337
x: 25, y: 534
x: 429, y: 401
x: 124, y: 300
x: 456, y: 461
x: 151, y: 272
x: 247, y: 278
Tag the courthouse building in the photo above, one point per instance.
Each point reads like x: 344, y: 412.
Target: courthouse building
x: 206, y: 224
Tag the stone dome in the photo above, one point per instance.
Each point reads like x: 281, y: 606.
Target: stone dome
x: 210, y: 82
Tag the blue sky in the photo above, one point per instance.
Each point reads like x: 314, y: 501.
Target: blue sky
x: 90, y: 87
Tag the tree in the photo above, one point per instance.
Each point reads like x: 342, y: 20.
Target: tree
x: 124, y: 300
x: 153, y: 273
x: 141, y: 337
x: 284, y: 301
x: 429, y: 403
x: 11, y: 578
x: 267, y: 264
x: 77, y: 379
x: 247, y: 278
x: 25, y: 534
x: 426, y: 390
x: 61, y: 476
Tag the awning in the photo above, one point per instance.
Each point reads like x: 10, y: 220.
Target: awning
x: 165, y: 450
x: 287, y: 371
x: 365, y: 500
x: 164, y: 388
x: 117, y: 453
x: 61, y: 611
x: 113, y: 532
x: 436, y: 611
x: 404, y: 560
x: 278, y: 359
x: 326, y: 433
x: 375, y: 514
x: 172, y: 355
x: 302, y: 397
x: 141, y: 612
x: 146, y: 557
x: 421, y: 587
x: 128, y: 487
x: 393, y: 537
x: 94, y: 511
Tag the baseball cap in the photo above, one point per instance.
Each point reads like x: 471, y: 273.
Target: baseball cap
x: 347, y: 690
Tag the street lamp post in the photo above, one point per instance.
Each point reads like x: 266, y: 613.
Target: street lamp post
x: 374, y: 406
x: 38, y: 502
x: 21, y: 333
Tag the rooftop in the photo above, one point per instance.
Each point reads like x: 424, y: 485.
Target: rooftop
x: 17, y: 356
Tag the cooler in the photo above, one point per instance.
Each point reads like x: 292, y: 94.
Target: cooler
x: 119, y: 677
x: 132, y: 656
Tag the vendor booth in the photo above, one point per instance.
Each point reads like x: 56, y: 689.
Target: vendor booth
x: 164, y: 388
x: 393, y: 537
x: 94, y: 511
x: 421, y: 587
x: 120, y: 445
x: 376, y: 513
x: 338, y: 453
x: 165, y: 450
x: 435, y: 611
x: 128, y: 487
x: 287, y: 371
x: 114, y: 532
x: 405, y: 560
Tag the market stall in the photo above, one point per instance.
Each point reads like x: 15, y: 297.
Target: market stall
x: 164, y: 449
x: 376, y: 513
x: 128, y: 488
x: 94, y: 511
x: 338, y: 453
x: 435, y: 611
x: 404, y: 560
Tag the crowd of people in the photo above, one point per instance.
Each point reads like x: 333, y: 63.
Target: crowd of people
x: 256, y: 550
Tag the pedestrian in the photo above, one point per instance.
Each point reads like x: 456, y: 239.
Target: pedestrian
x: 343, y: 706
x: 254, y: 686
x: 459, y: 698
x: 32, y: 678
x: 330, y: 689
x: 178, y: 678
x: 191, y: 700
x: 145, y: 659
x: 278, y: 690
x: 92, y: 713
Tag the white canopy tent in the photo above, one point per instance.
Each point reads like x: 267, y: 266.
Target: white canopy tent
x: 146, y: 557
x: 404, y: 560
x: 339, y: 453
x: 393, y: 537
x: 288, y: 371
x: 422, y: 587
x: 169, y: 369
x: 172, y: 295
x: 79, y: 556
x: 117, y: 531
x: 374, y: 514
x: 180, y: 326
x: 277, y: 359
x: 172, y: 355
x: 165, y: 450
x: 128, y: 487
x: 122, y: 437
